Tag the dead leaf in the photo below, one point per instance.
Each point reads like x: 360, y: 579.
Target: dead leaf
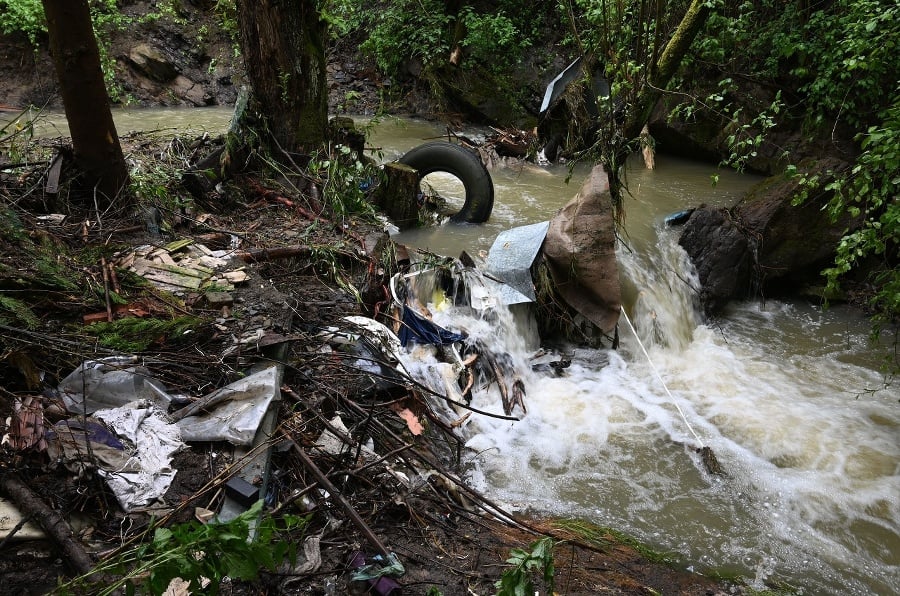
x: 412, y: 421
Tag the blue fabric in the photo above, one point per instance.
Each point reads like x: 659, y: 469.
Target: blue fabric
x: 418, y: 329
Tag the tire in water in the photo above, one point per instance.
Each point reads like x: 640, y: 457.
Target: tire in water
x: 464, y: 164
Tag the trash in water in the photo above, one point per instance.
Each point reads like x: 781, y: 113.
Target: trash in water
x: 678, y: 218
x: 580, y: 253
x: 510, y: 258
x: 416, y: 328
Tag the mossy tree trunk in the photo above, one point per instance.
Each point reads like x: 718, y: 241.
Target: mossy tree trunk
x: 283, y: 45
x: 618, y: 142
x: 76, y: 58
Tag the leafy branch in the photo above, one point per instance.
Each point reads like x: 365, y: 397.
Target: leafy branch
x: 201, y: 554
x: 517, y: 580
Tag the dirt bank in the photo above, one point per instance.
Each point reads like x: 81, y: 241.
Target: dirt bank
x: 156, y: 62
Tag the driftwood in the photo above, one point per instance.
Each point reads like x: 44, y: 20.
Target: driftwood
x: 56, y: 527
x: 270, y: 254
x: 511, y: 142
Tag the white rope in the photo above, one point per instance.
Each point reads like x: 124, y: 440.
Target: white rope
x: 663, y: 383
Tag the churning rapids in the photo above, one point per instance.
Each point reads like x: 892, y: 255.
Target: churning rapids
x: 788, y: 395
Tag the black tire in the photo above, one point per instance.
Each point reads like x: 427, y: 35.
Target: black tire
x: 466, y: 165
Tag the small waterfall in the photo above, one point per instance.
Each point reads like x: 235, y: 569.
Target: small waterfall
x: 662, y: 287
x: 501, y: 340
x: 603, y: 442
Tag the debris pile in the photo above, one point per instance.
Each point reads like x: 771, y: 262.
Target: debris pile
x: 290, y: 392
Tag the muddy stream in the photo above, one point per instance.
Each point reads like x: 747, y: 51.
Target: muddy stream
x: 788, y: 395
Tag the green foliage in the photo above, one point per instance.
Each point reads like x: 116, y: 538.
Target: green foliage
x: 421, y: 30
x: 11, y: 228
x: 13, y: 311
x: 17, y: 134
x: 492, y: 39
x: 518, y: 579
x: 343, y: 179
x: 227, y: 13
x: 870, y: 190
x: 345, y: 16
x: 157, y: 181
x: 606, y: 538
x: 23, y: 16
x: 408, y: 30
x: 745, y: 139
x: 199, y: 553
x: 27, y: 17
x: 133, y: 334
x: 847, y: 57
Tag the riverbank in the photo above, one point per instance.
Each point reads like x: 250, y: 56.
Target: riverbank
x: 445, y: 540
x: 436, y: 536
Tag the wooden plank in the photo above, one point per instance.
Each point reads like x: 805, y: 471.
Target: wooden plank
x: 52, y: 185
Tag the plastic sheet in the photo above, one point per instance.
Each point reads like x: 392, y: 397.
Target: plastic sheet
x: 110, y: 383
x: 580, y: 252
x: 418, y: 329
x: 149, y: 472
x: 510, y: 259
x: 235, y: 411
x: 378, y: 573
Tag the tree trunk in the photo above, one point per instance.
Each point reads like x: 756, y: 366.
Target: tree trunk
x: 76, y: 58
x: 283, y: 43
x: 661, y: 73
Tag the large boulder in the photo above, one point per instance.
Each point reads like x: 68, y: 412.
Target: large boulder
x: 152, y: 63
x: 765, y: 245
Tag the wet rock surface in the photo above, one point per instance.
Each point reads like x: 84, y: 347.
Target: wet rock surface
x: 764, y: 245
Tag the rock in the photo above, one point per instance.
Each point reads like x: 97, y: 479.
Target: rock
x: 720, y: 252
x: 764, y: 245
x: 152, y: 63
x: 193, y: 92
x: 218, y: 299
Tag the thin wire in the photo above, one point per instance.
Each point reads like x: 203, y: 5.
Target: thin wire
x: 663, y: 383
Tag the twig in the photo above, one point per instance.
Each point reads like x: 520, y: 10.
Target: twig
x: 109, y: 313
x: 25, y: 519
x: 337, y: 496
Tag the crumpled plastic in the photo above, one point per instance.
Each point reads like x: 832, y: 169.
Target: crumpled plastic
x: 81, y: 444
x: 378, y: 574
x: 418, y: 329
x: 149, y: 472
x: 131, y: 447
x: 110, y: 383
x: 234, y: 412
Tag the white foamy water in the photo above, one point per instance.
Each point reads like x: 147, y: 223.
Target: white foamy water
x: 784, y: 394
x: 788, y: 396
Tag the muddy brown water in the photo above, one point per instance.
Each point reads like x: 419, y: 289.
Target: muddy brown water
x: 789, y: 396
